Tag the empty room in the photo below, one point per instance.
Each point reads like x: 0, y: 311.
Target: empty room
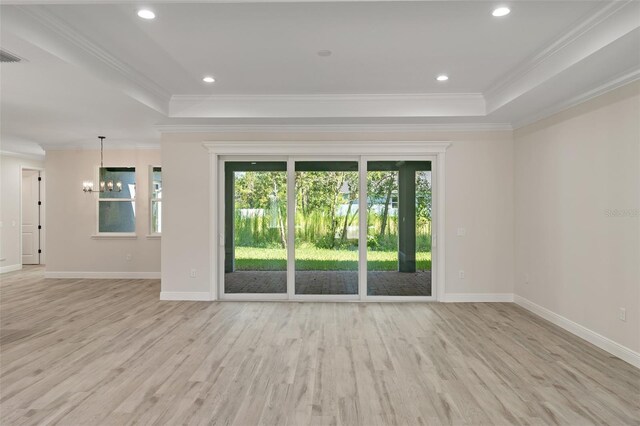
x: 347, y: 212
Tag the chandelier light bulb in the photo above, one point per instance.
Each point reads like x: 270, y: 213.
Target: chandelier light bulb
x: 87, y: 185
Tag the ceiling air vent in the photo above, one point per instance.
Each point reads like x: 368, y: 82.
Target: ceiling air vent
x: 8, y: 57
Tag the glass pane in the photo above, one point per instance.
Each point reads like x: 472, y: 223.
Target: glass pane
x: 399, y: 228
x: 156, y: 217
x: 326, y: 223
x: 126, y: 175
x: 156, y: 183
x: 117, y: 216
x: 255, y: 227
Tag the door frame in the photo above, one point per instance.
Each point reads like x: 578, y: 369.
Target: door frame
x: 41, y: 219
x: 315, y: 150
x: 220, y: 224
x: 436, y: 199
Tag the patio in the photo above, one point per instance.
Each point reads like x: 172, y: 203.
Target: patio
x: 379, y: 283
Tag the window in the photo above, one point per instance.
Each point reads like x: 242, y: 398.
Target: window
x: 155, y: 204
x: 117, y: 210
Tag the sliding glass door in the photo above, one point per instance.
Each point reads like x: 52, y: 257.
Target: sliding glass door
x: 255, y: 209
x: 326, y: 227
x: 356, y: 228
x: 399, y: 209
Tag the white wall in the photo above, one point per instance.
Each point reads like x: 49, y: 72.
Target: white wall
x: 479, y: 179
x: 572, y: 169
x: 72, y: 218
x: 10, y: 232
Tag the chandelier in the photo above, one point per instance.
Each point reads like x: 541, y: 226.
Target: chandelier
x: 105, y: 185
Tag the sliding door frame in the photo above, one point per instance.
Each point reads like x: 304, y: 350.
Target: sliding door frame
x: 292, y: 151
x: 291, y: 242
x: 435, y: 202
x: 221, y: 226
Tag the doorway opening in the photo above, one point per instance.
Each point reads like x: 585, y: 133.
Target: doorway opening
x: 357, y: 228
x: 31, y: 217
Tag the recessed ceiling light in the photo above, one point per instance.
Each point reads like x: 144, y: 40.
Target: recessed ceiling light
x: 442, y: 77
x: 208, y: 79
x: 501, y: 11
x: 146, y: 14
x: 324, y: 53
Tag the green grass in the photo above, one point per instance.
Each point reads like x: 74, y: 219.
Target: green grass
x: 312, y: 258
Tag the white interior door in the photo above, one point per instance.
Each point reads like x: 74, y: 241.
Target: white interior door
x: 30, y: 217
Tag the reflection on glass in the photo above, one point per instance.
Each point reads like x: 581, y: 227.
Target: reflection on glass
x: 326, y: 227
x: 117, y: 210
x: 116, y: 216
x: 156, y: 200
x: 255, y: 227
x: 126, y: 175
x: 399, y: 228
x: 156, y: 216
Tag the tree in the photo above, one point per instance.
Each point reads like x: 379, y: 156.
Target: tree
x: 380, y: 188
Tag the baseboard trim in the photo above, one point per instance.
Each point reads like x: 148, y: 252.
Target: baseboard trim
x: 590, y: 336
x: 186, y: 295
x: 477, y: 297
x: 10, y: 268
x: 103, y: 275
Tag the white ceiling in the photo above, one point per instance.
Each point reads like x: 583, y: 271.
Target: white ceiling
x: 47, y: 100
x: 98, y: 68
x: 383, y: 47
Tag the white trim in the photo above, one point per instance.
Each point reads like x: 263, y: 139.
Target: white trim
x: 363, y: 226
x: 340, y: 150
x: 328, y: 105
x: 477, y: 297
x: 581, y: 331
x: 42, y: 212
x: 259, y: 297
x: 114, y: 235
x: 598, y: 30
x: 97, y: 235
x: 291, y: 227
x: 10, y: 268
x: 331, y: 128
x: 113, y: 146
x: 154, y: 236
x: 102, y: 275
x: 195, y: 296
x: 21, y: 155
x: 336, y: 148
x: 55, y: 36
x: 437, y: 287
x: 572, y: 33
x: 216, y: 221
x: 619, y: 81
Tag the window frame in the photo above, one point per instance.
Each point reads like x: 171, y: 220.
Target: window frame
x: 98, y: 234
x: 152, y: 200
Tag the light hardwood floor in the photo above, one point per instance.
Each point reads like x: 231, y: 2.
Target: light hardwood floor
x: 88, y: 352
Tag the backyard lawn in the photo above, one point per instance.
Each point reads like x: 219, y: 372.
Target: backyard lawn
x: 318, y: 259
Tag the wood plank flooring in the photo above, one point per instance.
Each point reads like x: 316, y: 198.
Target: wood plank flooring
x: 89, y: 352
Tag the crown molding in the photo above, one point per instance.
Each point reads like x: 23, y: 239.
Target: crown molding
x: 604, y: 26
x: 137, y: 2
x: 619, y: 81
x: 22, y: 155
x: 55, y: 36
x: 289, y: 147
x: 332, y: 128
x: 327, y: 105
x: 84, y: 146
